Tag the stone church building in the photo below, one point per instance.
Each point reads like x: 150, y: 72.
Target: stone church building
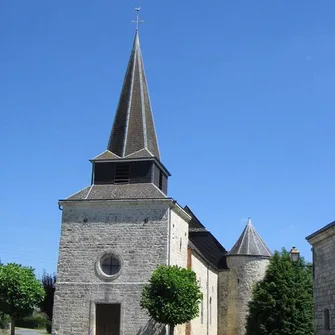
x: 116, y: 231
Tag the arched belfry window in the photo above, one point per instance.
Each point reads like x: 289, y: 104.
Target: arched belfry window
x: 326, y: 319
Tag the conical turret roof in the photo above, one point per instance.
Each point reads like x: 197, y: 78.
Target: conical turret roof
x: 250, y: 243
x: 133, y: 133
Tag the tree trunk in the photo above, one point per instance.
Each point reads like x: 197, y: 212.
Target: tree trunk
x: 12, y: 326
x: 171, y: 330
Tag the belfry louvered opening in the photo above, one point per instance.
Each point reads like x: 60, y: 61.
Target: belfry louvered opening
x: 160, y: 180
x: 122, y: 173
x: 130, y: 172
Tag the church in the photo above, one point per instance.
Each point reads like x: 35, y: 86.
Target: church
x: 116, y: 231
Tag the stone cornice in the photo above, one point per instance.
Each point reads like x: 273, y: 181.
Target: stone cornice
x: 173, y: 205
x: 321, y: 234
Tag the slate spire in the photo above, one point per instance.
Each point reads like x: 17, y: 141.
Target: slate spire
x: 133, y: 133
x: 250, y: 243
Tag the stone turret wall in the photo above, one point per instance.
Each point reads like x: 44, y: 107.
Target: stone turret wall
x: 244, y: 272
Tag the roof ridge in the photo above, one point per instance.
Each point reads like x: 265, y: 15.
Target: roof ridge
x: 103, y: 156
x: 139, y: 151
x: 243, y: 237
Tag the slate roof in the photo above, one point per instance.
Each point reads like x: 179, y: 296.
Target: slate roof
x: 194, y: 224
x: 106, y: 155
x: 124, y: 191
x: 133, y: 127
x: 209, y: 248
x: 250, y: 243
x: 202, y: 241
x: 141, y: 153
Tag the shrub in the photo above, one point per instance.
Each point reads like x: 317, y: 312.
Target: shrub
x: 4, y: 321
x: 35, y: 321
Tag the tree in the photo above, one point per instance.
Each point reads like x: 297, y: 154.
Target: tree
x: 282, y: 302
x: 172, y: 296
x: 20, y: 291
x: 3, y: 317
x: 46, y: 306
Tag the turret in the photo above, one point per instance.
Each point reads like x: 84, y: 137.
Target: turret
x: 247, y: 262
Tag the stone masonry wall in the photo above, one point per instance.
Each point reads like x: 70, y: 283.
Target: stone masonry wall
x: 223, y: 302
x: 324, y: 284
x: 206, y: 323
x: 212, y: 302
x: 178, y: 249
x: 178, y: 240
x: 137, y: 232
x: 245, y: 271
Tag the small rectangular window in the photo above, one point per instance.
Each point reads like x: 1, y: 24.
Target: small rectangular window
x: 122, y: 173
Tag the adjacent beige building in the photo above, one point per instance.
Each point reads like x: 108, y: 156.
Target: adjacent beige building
x: 323, y: 242
x: 117, y: 230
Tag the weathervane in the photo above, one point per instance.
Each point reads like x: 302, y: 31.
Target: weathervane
x: 138, y: 21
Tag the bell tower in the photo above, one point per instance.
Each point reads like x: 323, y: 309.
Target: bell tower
x: 132, y: 155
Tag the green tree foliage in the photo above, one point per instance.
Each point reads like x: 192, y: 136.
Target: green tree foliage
x: 172, y: 296
x: 282, y: 302
x: 46, y: 306
x: 4, y: 319
x: 20, y: 291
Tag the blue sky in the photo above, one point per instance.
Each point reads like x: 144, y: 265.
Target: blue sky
x: 242, y: 93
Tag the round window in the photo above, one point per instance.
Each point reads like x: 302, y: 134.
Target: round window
x: 110, y: 265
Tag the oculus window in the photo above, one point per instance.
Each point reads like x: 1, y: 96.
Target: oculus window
x: 108, y: 266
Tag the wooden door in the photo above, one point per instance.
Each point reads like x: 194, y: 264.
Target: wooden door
x: 108, y: 319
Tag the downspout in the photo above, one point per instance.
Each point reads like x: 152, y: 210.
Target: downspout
x: 208, y: 297
x: 169, y: 251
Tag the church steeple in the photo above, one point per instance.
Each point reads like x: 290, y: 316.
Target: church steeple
x: 133, y: 133
x: 132, y: 159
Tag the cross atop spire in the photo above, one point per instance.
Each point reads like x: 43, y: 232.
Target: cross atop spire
x: 137, y: 21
